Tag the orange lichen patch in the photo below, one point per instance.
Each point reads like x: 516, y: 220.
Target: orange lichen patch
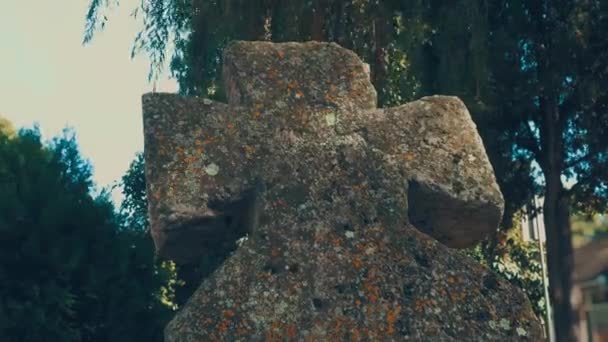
x: 357, y: 262
x: 420, y: 304
x: 329, y: 97
x: 332, y: 88
x: 338, y: 327
x: 249, y: 151
x: 208, y: 321
x: 301, y: 115
x: 223, y: 326
x: 408, y: 156
x: 209, y: 140
x: 299, y: 93
x: 275, y: 252
x: 242, y: 332
x: 156, y: 195
x: 281, y: 54
x: 272, y: 336
x: 257, y: 110
x: 272, y: 73
x: 199, y: 150
x: 372, y: 292
x: 452, y: 280
x: 336, y: 242
x: 457, y: 296
x: 263, y: 275
x: 292, y: 85
x: 228, y: 313
x: 190, y: 159
x: 391, y: 318
x: 274, y: 333
x: 360, y: 247
x: 358, y: 187
x: 369, y: 313
x: 355, y: 335
x: 290, y: 331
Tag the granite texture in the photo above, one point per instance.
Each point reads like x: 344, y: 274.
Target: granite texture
x: 347, y: 208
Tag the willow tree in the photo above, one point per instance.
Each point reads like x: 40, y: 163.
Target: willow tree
x: 549, y: 64
x: 199, y: 30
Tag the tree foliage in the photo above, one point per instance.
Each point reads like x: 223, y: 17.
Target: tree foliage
x: 6, y: 127
x: 67, y: 272
x: 516, y: 260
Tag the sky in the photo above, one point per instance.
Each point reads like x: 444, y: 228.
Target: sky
x: 48, y: 77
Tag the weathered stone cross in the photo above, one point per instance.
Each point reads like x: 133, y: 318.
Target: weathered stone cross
x: 327, y: 187
x: 288, y: 99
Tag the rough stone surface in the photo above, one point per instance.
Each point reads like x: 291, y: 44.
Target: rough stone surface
x: 328, y: 189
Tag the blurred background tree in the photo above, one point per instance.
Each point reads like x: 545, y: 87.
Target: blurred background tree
x: 70, y: 270
x: 518, y: 261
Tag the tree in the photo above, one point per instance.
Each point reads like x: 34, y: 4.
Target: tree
x: 6, y: 127
x: 67, y: 272
x: 547, y: 66
x: 517, y: 261
x: 536, y: 88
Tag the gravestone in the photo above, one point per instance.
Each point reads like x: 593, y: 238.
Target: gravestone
x: 349, y: 210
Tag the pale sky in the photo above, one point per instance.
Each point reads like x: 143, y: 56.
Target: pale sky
x: 48, y: 77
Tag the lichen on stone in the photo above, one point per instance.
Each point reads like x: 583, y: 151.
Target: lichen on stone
x: 348, y: 209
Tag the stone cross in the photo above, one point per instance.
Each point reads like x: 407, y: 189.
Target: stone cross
x: 331, y: 192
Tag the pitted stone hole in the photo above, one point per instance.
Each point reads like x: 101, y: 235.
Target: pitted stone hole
x: 490, y: 283
x: 294, y: 268
x: 275, y: 265
x: 271, y: 268
x: 318, y: 303
x: 340, y: 288
x: 239, y: 217
x: 342, y: 226
x: 422, y: 260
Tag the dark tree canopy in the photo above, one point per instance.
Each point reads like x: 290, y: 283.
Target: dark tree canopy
x: 67, y: 273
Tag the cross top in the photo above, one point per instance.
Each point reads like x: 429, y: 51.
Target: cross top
x: 301, y: 139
